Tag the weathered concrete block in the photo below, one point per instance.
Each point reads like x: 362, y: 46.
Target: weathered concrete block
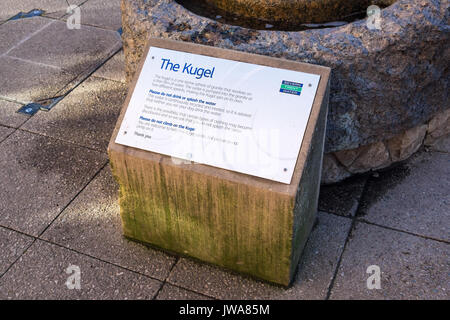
x: 245, y: 223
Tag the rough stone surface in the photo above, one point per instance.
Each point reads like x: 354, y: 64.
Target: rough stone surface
x: 384, y: 81
x: 403, y: 146
x: 340, y: 164
x: 413, y: 197
x: 438, y: 126
x: 313, y: 278
x: 41, y: 177
x: 441, y: 144
x: 92, y: 225
x: 411, y: 267
x: 332, y: 171
x: 41, y: 274
x: 371, y: 156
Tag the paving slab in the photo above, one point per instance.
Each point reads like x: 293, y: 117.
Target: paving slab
x: 25, y: 81
x: 12, y: 245
x: 9, y: 116
x: 40, y: 176
x: 86, y: 116
x: 41, y: 274
x: 314, y: 275
x: 5, y: 132
x: 113, y: 69
x: 9, y: 8
x: 15, y: 31
x: 92, y: 225
x: 73, y: 50
x: 342, y: 198
x: 170, y: 292
x: 102, y: 13
x: 413, y: 197
x: 411, y: 267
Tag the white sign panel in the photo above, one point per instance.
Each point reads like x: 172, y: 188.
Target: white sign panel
x: 232, y: 115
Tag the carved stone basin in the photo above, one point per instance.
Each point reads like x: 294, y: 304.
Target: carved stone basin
x: 292, y: 11
x: 389, y: 85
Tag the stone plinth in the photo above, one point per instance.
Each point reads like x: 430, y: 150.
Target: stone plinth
x: 241, y: 222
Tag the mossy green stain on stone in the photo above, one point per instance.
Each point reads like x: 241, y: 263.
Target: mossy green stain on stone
x: 144, y: 214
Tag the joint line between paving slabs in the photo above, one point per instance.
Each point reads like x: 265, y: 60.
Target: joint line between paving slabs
x: 78, y: 193
x: 186, y: 289
x: 40, y: 234
x: 441, y: 151
x: 347, y: 239
x: 403, y: 231
x: 18, y: 258
x: 86, y: 255
x: 35, y: 238
x: 337, y: 215
x: 8, y: 135
x: 26, y: 38
x: 165, y: 280
x: 24, y: 251
x: 99, y: 259
x: 122, y: 267
x: 84, y: 78
x: 8, y: 99
x: 61, y: 97
x: 36, y: 63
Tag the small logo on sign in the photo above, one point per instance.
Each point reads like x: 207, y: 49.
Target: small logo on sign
x: 291, y: 87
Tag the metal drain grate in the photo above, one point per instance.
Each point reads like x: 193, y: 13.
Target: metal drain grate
x: 34, y: 107
x: 32, y: 13
x: 50, y: 103
x: 30, y: 109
